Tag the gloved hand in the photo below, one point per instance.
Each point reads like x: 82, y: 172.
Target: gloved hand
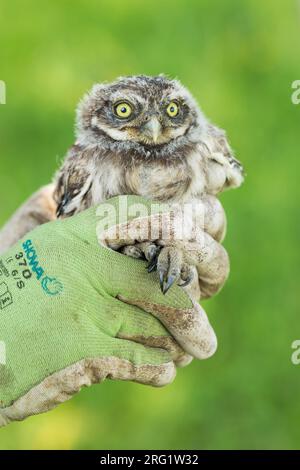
x: 66, y: 319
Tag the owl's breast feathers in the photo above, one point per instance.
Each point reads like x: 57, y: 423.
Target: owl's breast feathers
x: 92, y: 174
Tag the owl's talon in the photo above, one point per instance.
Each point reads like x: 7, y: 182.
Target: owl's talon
x: 152, y: 256
x: 169, y: 283
x: 166, y: 280
x: 187, y: 282
x: 162, y: 281
x: 187, y: 276
x: 152, y: 252
x: 169, y: 266
x: 152, y: 266
x: 168, y: 261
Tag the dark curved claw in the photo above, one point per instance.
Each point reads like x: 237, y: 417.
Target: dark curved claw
x: 152, y: 265
x: 169, y: 282
x: 166, y: 280
x: 187, y: 276
x: 188, y: 280
x: 162, y: 280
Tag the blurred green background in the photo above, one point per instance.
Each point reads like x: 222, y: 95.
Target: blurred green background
x: 239, y: 60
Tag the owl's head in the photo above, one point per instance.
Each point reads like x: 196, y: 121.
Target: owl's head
x: 149, y: 111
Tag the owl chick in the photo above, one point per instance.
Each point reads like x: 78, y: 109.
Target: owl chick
x: 145, y: 136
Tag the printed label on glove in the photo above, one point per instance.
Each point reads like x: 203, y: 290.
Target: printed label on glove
x: 51, y: 285
x: 17, y: 270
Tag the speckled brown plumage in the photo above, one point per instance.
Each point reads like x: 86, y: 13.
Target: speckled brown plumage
x: 170, y: 159
x: 112, y: 156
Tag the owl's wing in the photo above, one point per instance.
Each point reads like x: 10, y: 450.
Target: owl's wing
x: 73, y: 183
x: 222, y: 153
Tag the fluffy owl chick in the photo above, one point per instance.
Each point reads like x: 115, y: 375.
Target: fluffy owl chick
x: 145, y: 136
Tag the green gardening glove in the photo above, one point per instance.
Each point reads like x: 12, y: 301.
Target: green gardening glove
x: 70, y: 316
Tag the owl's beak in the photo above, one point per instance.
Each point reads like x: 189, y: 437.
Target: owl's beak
x: 153, y: 129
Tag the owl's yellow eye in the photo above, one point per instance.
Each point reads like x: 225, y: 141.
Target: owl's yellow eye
x: 172, y: 109
x: 123, y: 110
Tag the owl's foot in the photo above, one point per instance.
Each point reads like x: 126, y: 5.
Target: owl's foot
x: 172, y: 268
x: 144, y: 250
x: 168, y: 261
